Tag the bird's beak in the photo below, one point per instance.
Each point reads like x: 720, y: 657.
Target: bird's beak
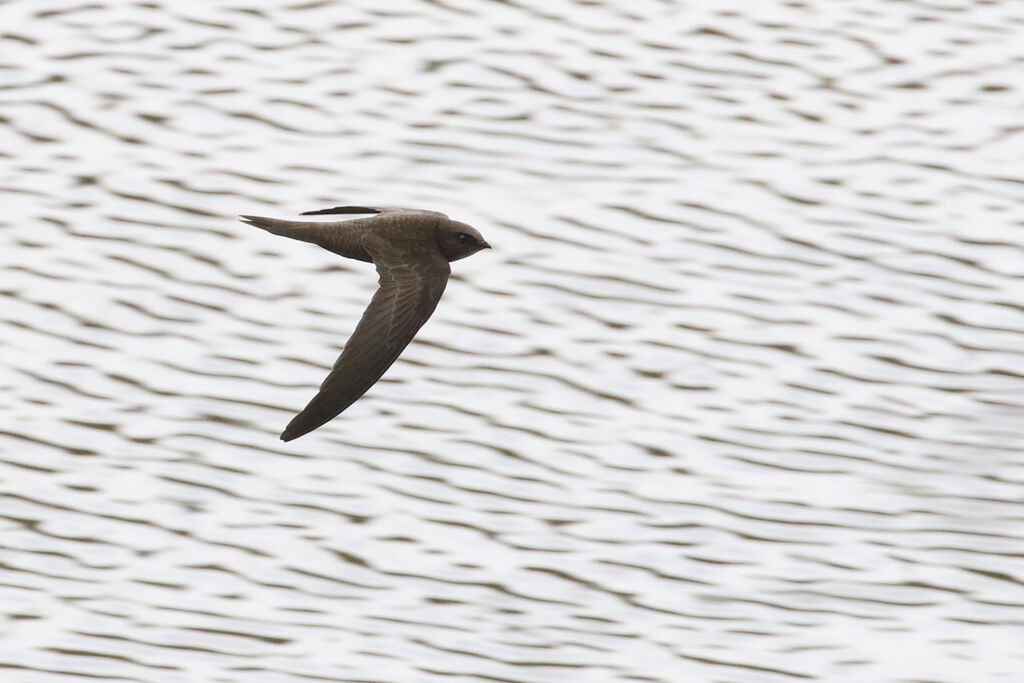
x: 486, y: 245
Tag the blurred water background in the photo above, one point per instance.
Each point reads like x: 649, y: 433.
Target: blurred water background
x: 737, y: 396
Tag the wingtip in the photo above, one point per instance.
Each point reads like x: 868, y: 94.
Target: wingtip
x: 297, y: 428
x: 291, y: 433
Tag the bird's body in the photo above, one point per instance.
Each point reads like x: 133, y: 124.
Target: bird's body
x: 411, y: 249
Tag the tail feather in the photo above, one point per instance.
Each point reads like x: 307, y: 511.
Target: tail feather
x: 297, y: 230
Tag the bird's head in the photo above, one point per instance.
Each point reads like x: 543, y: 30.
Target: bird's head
x: 458, y: 240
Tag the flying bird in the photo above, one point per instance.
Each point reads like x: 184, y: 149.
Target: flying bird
x: 411, y: 249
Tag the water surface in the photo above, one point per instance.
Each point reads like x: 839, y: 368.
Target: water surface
x: 737, y: 396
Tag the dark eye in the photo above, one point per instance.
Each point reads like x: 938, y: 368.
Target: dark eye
x: 464, y: 237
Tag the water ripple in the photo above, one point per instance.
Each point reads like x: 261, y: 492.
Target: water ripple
x: 735, y: 397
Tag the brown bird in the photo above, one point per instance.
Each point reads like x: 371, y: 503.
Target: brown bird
x: 411, y: 249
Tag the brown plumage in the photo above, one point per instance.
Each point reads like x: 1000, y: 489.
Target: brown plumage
x: 411, y: 249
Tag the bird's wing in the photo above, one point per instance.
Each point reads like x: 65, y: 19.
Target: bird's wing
x: 410, y: 287
x: 369, y: 209
x: 343, y: 209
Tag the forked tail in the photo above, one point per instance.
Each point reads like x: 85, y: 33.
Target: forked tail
x: 297, y: 230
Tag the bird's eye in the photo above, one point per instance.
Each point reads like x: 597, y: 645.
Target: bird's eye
x: 464, y: 237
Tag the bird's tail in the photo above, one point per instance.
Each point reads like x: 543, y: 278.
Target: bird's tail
x: 297, y: 230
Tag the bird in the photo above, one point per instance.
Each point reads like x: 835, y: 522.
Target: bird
x: 411, y: 249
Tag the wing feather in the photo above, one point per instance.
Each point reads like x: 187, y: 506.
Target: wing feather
x: 408, y: 294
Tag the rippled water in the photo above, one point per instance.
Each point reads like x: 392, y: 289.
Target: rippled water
x: 737, y: 396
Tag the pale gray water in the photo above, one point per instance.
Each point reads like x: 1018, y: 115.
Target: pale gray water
x: 737, y: 396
